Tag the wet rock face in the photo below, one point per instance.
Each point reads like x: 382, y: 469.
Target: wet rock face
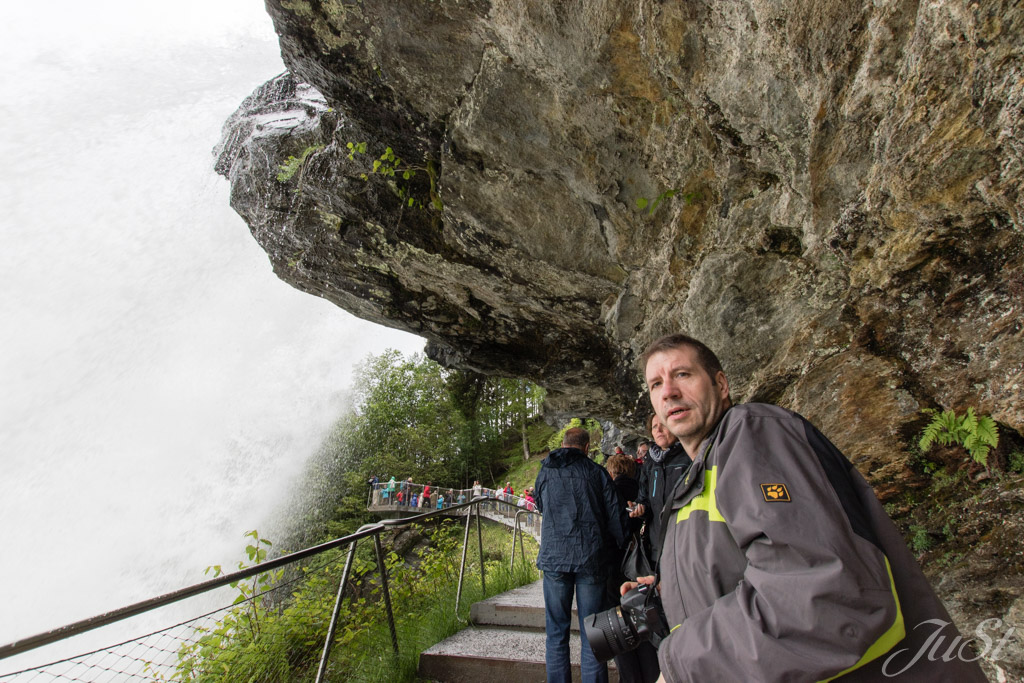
x: 830, y: 190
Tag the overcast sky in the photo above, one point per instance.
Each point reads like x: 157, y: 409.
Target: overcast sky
x: 160, y: 384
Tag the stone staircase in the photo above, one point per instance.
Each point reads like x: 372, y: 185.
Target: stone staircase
x: 505, y: 642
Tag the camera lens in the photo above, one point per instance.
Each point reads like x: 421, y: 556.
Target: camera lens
x: 609, y: 634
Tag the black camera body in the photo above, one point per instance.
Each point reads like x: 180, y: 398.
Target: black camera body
x: 638, y: 617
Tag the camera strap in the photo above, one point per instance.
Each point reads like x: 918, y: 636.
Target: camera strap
x: 682, y: 483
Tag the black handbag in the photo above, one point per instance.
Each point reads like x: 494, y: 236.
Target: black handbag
x: 636, y: 562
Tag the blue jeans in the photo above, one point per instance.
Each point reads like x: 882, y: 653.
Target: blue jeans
x: 590, y: 599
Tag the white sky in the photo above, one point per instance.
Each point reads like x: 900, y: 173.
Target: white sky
x: 159, y: 384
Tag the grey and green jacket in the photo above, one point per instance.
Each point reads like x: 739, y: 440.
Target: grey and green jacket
x: 781, y: 565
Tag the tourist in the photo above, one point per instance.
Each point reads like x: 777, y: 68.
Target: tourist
x: 573, y: 549
x: 779, y: 562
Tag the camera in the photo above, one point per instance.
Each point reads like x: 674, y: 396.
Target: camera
x: 638, y: 617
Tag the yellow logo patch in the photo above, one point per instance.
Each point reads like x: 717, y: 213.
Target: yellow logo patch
x: 775, y: 493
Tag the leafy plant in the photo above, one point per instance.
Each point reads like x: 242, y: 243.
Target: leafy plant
x: 390, y: 165
x: 241, y: 627
x: 1017, y: 462
x: 978, y: 435
x: 293, y: 165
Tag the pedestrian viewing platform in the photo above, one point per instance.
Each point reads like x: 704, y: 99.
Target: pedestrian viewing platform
x: 395, y: 500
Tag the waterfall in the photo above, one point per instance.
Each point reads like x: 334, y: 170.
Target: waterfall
x: 160, y: 386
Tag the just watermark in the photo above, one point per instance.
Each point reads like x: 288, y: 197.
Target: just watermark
x: 935, y: 648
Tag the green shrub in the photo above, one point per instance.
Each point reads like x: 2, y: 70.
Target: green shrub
x: 280, y: 640
x: 1017, y: 462
x: 920, y: 539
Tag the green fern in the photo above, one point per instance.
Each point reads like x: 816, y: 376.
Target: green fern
x: 983, y: 438
x: 978, y: 435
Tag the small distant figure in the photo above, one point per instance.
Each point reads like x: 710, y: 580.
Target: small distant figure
x: 641, y: 452
x: 462, y: 497
x: 440, y: 501
x: 401, y: 498
x: 412, y: 500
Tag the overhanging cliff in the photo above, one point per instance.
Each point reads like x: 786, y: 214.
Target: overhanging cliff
x: 827, y: 193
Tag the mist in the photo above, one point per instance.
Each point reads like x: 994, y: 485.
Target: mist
x: 161, y: 387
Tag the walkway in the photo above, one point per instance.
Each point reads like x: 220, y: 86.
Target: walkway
x: 505, y: 642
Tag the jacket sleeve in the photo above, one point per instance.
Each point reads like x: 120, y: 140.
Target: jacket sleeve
x: 805, y: 596
x: 641, y: 498
x: 538, y: 490
x: 615, y: 509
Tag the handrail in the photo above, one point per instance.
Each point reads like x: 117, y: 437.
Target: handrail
x: 517, y: 531
x: 374, y: 530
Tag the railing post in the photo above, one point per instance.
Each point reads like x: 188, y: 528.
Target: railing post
x: 512, y: 555
x: 386, y: 589
x: 322, y: 669
x: 517, y: 531
x: 480, y: 544
x: 465, y: 546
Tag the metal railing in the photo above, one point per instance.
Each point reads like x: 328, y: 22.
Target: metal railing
x: 144, y: 667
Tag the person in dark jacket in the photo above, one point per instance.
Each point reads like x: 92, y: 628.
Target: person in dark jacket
x: 639, y: 665
x: 666, y: 463
x: 583, y: 523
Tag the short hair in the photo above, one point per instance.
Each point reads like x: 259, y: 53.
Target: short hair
x: 619, y: 464
x: 705, y: 356
x: 576, y: 437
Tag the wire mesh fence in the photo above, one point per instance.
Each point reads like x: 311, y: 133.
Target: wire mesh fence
x: 199, y: 648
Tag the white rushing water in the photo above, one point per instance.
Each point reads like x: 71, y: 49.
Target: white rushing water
x: 160, y: 386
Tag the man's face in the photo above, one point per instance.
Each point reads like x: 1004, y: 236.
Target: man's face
x: 685, y: 399
x: 641, y: 452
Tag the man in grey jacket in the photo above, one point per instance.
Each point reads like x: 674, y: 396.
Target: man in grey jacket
x: 779, y: 563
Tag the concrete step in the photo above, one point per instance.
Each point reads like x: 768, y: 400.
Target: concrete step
x: 520, y: 607
x: 506, y: 641
x: 487, y: 654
